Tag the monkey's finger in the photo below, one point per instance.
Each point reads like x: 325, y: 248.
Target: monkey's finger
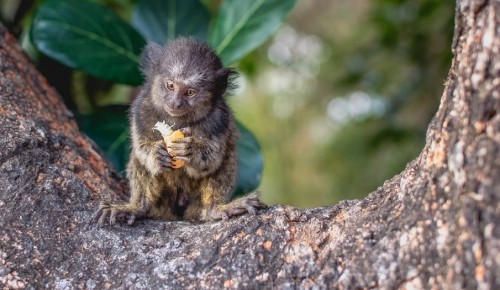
x: 166, y: 167
x: 95, y: 217
x: 131, y: 220
x: 182, y: 140
x: 112, y: 217
x: 235, y: 211
x: 256, y: 203
x: 179, y: 146
x: 162, y: 150
x: 179, y: 152
x: 250, y: 209
x: 185, y: 158
x: 164, y: 158
x: 165, y: 161
x: 186, y: 131
x: 103, y: 217
x: 121, y: 215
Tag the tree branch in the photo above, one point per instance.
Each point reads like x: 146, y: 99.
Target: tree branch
x: 433, y: 225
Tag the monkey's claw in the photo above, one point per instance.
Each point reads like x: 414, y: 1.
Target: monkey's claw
x: 112, y: 211
x: 181, y: 148
x: 163, y: 158
x: 250, y: 203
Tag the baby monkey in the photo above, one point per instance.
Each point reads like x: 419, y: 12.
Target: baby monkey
x: 185, y: 87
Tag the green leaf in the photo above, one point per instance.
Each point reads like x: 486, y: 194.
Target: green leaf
x: 88, y: 36
x: 108, y: 127
x: 243, y: 25
x: 163, y: 20
x: 250, y: 162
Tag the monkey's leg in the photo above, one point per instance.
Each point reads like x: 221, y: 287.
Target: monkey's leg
x: 146, y: 191
x: 214, y: 204
x: 138, y: 204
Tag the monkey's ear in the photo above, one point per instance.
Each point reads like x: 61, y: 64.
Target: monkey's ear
x: 149, y: 58
x: 226, y: 78
x: 226, y: 74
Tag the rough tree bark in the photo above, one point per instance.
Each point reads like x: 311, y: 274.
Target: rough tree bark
x: 435, y: 225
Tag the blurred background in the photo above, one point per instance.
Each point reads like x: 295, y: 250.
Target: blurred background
x: 339, y: 98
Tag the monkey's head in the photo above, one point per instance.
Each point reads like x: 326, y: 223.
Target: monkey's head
x: 186, y: 77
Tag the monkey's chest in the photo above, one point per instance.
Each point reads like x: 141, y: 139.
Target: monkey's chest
x: 177, y: 182
x: 179, y: 192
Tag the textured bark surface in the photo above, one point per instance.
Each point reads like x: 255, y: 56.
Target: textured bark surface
x: 435, y: 225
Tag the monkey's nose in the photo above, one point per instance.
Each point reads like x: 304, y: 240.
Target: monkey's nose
x: 175, y: 103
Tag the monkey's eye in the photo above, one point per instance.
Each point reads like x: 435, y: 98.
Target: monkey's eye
x: 169, y: 85
x: 190, y: 92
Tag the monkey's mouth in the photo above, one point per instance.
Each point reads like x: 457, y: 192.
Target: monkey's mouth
x: 175, y: 112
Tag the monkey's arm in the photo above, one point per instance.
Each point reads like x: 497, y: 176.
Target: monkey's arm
x: 152, y: 154
x: 204, y: 154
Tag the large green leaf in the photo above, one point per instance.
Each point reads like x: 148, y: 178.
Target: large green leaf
x: 108, y: 127
x: 163, y: 20
x: 243, y: 25
x: 250, y: 162
x: 88, y: 36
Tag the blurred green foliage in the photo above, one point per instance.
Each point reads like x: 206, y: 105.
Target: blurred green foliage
x: 340, y: 98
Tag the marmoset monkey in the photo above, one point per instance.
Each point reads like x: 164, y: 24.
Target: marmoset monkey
x: 185, y: 87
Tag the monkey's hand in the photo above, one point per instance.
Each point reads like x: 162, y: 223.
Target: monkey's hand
x: 181, y: 149
x: 249, y: 203
x: 163, y: 158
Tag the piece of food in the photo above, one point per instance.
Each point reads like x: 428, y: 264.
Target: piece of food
x: 168, y: 136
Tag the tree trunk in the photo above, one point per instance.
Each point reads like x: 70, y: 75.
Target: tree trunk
x: 435, y: 225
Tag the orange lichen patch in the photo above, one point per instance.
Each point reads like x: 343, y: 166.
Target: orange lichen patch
x: 480, y: 271
x: 228, y: 283
x: 480, y: 127
x: 41, y: 176
x: 267, y: 245
x: 437, y: 154
x: 93, y: 187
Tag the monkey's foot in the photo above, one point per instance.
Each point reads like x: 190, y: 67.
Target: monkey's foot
x: 114, y: 211
x: 250, y: 203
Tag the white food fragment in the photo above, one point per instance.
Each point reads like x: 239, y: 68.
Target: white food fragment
x: 164, y: 128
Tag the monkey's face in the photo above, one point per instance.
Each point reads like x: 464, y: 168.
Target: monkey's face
x: 182, y: 97
x: 179, y: 97
x: 186, y: 76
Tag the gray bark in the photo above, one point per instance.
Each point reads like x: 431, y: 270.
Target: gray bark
x: 435, y: 225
